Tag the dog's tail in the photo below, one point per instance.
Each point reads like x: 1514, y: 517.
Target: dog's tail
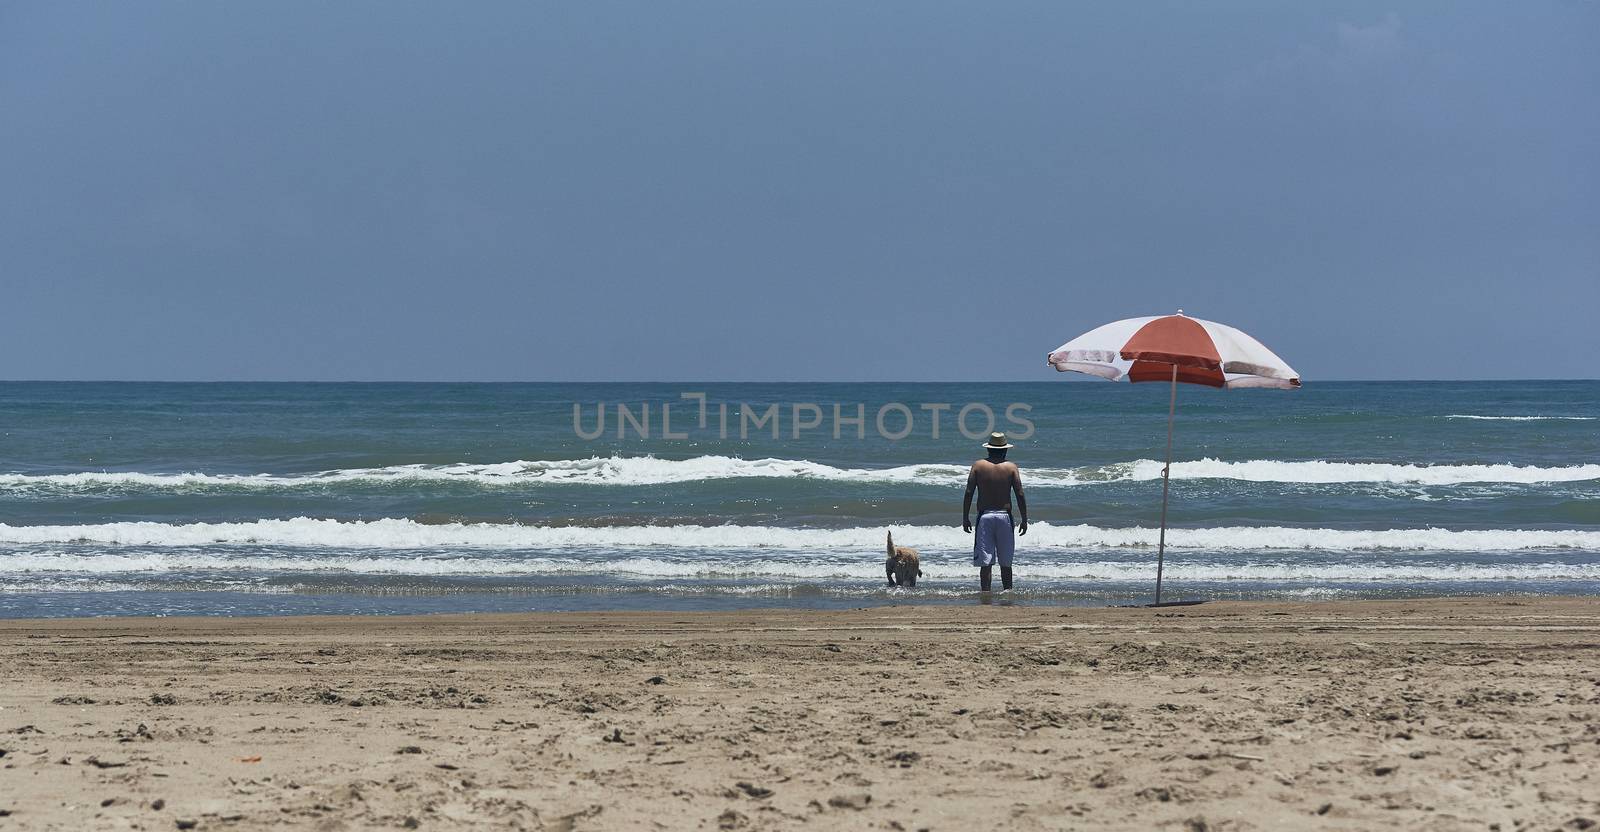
x: 891, y: 544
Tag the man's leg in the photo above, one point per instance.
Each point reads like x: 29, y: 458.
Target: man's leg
x: 1005, y: 548
x: 983, y: 551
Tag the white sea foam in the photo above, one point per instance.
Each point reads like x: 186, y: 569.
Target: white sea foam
x: 35, y: 565
x: 649, y: 470
x: 615, y: 470
x: 1317, y: 471
x: 1523, y: 418
x: 410, y: 536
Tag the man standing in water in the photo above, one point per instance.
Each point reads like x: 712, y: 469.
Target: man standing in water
x: 994, y: 479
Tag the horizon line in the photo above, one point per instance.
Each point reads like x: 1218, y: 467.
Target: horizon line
x: 1068, y: 379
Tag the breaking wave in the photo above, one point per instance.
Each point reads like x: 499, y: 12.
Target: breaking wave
x: 409, y: 535
x: 58, y: 563
x: 649, y: 470
x: 1523, y: 418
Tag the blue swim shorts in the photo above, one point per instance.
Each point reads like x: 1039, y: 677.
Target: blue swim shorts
x: 993, y: 539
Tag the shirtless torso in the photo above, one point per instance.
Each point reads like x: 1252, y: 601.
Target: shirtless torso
x: 994, y: 482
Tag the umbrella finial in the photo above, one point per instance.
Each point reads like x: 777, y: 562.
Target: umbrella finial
x: 1180, y: 312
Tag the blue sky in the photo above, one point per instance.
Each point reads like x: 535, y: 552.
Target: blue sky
x: 791, y: 191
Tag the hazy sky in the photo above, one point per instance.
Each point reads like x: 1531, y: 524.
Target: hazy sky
x: 791, y: 190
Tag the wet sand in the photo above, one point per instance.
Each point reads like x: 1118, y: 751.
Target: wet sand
x: 1437, y: 714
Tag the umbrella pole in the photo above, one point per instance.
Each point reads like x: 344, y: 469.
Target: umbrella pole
x: 1166, y: 483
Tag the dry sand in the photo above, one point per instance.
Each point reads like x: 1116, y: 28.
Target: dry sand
x: 1447, y: 714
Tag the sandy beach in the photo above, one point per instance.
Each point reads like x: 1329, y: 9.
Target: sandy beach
x: 1437, y: 714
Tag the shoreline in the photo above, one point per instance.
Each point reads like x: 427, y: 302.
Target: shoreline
x: 1411, y: 713
x: 846, y: 615
x: 246, y: 605
x: 32, y: 604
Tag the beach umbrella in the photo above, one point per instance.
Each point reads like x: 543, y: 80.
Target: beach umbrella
x: 1173, y: 348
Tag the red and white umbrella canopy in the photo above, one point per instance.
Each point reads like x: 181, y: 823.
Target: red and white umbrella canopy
x: 1147, y: 349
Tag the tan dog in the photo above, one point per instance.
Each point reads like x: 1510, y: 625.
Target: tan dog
x: 903, y: 567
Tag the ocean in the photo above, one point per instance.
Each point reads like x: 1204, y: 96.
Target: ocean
x: 269, y: 498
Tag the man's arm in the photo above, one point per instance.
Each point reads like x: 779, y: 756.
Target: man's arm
x: 1022, y: 502
x: 966, y: 499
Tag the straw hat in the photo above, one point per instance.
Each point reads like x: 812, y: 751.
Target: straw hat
x: 997, y: 442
